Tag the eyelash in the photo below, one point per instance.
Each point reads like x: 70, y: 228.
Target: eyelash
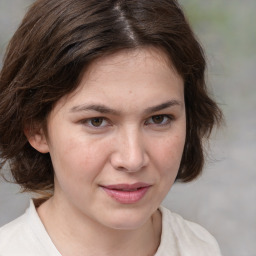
x: 166, y: 121
x: 89, y: 120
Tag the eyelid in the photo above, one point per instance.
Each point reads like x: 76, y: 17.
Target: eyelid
x: 169, y: 117
x: 87, y: 120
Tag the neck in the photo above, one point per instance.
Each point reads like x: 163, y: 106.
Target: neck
x: 76, y: 234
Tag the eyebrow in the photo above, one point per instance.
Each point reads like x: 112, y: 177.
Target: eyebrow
x: 162, y: 106
x: 106, y: 110
x: 95, y: 107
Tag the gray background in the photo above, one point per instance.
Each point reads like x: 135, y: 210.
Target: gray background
x: 223, y: 198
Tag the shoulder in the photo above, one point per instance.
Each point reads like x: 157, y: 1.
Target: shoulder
x: 185, y: 237
x: 8, y: 230
x: 26, y: 235
x: 13, y: 234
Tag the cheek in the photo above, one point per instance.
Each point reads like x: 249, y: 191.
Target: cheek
x: 168, y: 154
x: 167, y: 157
x: 79, y: 159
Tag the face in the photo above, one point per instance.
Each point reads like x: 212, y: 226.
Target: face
x: 116, y: 143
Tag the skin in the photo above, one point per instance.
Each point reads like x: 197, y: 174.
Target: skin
x: 125, y: 123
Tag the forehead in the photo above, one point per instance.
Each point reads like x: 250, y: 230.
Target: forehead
x: 128, y: 75
x: 124, y: 59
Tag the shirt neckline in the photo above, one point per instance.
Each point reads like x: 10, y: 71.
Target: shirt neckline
x: 166, y: 241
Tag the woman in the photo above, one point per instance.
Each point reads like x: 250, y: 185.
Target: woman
x: 104, y: 106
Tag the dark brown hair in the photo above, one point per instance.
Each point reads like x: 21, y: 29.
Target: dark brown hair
x: 54, y: 44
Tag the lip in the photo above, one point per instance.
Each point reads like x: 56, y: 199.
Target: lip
x: 127, y: 193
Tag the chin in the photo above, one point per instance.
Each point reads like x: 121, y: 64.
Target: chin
x: 128, y: 220
x: 127, y: 225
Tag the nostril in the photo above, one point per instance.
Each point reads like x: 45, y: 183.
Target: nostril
x: 128, y: 163
x: 130, y: 154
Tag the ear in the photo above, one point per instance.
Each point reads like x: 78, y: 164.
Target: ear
x: 37, y: 138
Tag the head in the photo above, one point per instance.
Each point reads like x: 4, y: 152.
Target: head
x: 58, y: 40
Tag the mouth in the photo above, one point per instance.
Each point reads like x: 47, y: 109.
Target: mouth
x: 127, y: 193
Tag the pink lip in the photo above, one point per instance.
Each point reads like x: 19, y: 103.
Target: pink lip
x: 127, y: 193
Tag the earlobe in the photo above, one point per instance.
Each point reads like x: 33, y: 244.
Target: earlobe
x: 37, y: 139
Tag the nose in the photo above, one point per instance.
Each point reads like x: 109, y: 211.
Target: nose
x: 130, y: 153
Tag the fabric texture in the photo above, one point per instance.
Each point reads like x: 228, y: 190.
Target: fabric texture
x: 26, y: 236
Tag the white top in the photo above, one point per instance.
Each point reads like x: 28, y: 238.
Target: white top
x: 26, y: 236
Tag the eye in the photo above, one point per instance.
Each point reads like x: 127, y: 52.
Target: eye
x: 96, y: 122
x: 159, y: 120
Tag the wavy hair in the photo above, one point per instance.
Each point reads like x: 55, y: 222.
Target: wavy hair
x: 58, y: 39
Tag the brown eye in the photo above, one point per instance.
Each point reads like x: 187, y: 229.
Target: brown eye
x: 158, y: 119
x: 96, y: 122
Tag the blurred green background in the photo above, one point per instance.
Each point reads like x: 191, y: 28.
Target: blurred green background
x: 223, y: 198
